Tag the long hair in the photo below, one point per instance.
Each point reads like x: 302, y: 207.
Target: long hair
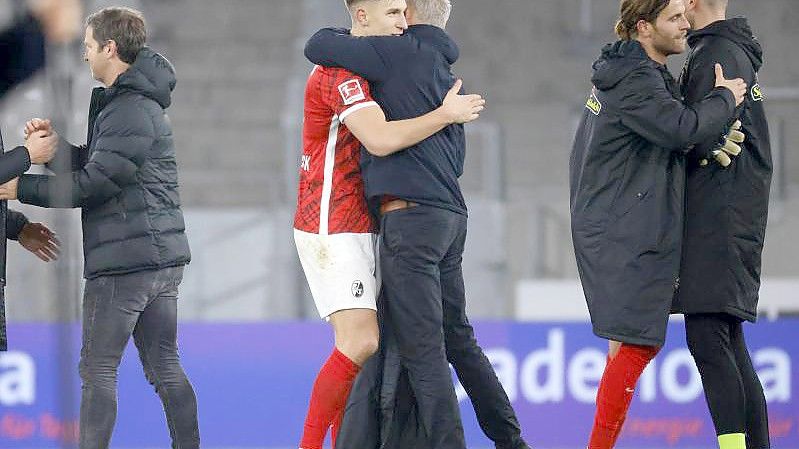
x: 633, y: 11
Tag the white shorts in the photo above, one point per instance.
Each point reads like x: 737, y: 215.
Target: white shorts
x: 340, y: 269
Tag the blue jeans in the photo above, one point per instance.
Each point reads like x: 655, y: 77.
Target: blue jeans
x: 142, y: 304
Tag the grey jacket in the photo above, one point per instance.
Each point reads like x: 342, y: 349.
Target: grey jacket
x: 126, y: 179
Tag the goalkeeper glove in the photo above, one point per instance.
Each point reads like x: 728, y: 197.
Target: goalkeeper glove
x: 728, y: 146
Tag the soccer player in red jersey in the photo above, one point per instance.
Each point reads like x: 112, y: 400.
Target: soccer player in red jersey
x: 333, y: 229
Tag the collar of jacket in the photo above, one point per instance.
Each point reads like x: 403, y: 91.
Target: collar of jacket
x: 618, y: 60
x: 150, y: 75
x: 736, y: 30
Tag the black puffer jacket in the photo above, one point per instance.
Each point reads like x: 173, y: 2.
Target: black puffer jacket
x: 627, y: 179
x: 12, y: 164
x: 726, y: 208
x: 10, y: 226
x: 126, y: 180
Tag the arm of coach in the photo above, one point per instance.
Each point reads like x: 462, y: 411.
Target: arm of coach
x: 124, y: 135
x: 336, y: 47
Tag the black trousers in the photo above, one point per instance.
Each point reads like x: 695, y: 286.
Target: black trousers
x: 3, y: 337
x: 732, y: 389
x: 421, y: 253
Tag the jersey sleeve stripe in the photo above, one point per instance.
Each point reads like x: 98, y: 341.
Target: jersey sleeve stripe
x: 356, y: 107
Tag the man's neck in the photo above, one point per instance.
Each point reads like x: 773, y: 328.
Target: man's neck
x: 358, y: 30
x: 705, y: 18
x: 653, y: 54
x: 116, y: 71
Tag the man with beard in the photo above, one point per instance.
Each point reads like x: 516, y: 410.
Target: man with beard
x: 725, y: 225
x: 627, y: 193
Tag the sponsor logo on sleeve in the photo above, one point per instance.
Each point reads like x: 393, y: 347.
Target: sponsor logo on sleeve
x: 757, y: 93
x: 351, y: 92
x: 593, y: 104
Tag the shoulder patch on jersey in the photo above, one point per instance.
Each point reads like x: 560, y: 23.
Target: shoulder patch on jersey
x: 757, y: 93
x: 593, y: 104
x: 351, y: 91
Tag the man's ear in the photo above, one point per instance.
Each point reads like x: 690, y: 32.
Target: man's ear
x: 362, y: 17
x: 409, y: 14
x: 110, y: 49
x: 643, y: 28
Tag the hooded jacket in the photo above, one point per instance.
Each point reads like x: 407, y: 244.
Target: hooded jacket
x: 727, y: 208
x: 627, y: 178
x: 125, y: 180
x: 12, y: 164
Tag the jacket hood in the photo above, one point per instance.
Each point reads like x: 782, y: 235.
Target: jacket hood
x: 736, y: 30
x: 618, y: 60
x: 439, y: 39
x: 152, y: 75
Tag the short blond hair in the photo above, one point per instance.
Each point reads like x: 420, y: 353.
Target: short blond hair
x: 432, y: 12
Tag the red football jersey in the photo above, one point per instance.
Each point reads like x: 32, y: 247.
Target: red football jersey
x: 331, y: 198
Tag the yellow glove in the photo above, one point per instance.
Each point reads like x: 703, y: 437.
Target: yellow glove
x: 728, y: 147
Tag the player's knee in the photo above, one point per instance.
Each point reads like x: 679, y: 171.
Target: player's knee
x: 367, y: 346
x: 370, y: 346
x: 359, y: 347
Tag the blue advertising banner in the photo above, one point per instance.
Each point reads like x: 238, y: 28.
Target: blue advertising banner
x: 253, y: 381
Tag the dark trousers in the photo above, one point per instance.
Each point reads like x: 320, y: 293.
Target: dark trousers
x: 3, y: 337
x: 732, y: 389
x: 421, y: 253
x: 144, y: 305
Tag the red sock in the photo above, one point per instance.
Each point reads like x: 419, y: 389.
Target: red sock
x: 328, y: 398
x: 616, y: 392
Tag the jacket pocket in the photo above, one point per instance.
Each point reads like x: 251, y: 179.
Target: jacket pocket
x: 626, y: 202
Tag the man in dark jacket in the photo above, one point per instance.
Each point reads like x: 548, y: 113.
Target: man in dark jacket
x: 627, y: 192
x: 22, y: 48
x: 423, y: 232
x: 725, y: 226
x: 34, y: 237
x: 125, y: 182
